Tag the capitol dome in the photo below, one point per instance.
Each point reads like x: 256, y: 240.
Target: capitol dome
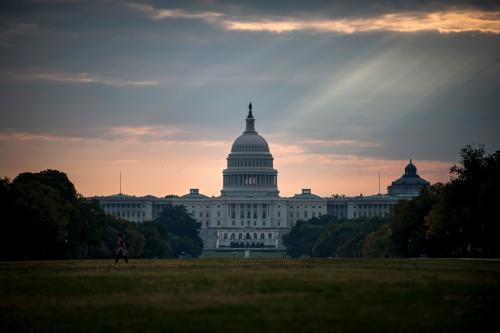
x: 249, y: 169
x: 250, y: 142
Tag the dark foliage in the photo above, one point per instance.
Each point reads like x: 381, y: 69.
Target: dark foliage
x: 458, y: 219
x: 328, y: 237
x: 45, y: 218
x: 302, y: 237
x: 182, y: 229
x: 345, y: 238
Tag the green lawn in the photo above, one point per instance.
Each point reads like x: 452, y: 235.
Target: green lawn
x: 250, y: 295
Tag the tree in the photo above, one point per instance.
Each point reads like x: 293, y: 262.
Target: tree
x: 378, y: 243
x: 303, y: 235
x: 43, y: 207
x: 408, y: 229
x: 345, y: 238
x: 182, y: 230
x: 466, y: 218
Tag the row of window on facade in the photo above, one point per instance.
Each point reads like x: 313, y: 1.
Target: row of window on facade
x: 251, y: 147
x: 261, y: 180
x: 376, y: 206
x: 247, y: 235
x: 129, y: 214
x: 371, y: 214
x: 242, y: 223
x: 254, y: 215
x: 305, y: 206
x: 122, y: 205
x: 250, y: 163
x: 306, y: 215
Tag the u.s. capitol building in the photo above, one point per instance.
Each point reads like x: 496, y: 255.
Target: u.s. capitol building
x: 250, y: 212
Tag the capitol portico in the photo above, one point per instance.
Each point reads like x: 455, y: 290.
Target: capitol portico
x: 249, y: 213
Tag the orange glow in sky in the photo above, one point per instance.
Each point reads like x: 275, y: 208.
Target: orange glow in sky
x: 160, y: 167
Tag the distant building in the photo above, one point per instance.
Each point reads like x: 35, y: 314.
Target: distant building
x: 409, y: 185
x: 249, y: 213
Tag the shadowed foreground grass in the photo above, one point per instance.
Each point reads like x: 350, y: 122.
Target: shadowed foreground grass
x: 237, y: 295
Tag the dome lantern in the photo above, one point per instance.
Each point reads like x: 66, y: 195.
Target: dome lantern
x: 250, y: 120
x: 411, y: 170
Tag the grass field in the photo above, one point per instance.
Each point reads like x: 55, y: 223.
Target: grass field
x: 253, y: 295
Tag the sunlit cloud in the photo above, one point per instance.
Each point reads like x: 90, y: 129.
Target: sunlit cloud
x: 78, y: 78
x: 447, y: 21
x: 442, y: 22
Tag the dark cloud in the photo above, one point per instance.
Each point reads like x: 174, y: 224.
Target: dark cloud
x: 76, y: 67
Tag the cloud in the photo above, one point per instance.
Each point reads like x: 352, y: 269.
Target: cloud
x: 340, y: 143
x: 26, y: 136
x: 143, y: 133
x: 79, y: 78
x: 158, y: 14
x: 445, y: 21
x: 15, y: 29
x: 131, y: 134
x: 442, y: 22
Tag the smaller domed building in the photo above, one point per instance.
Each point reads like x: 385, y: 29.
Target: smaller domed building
x: 409, y: 185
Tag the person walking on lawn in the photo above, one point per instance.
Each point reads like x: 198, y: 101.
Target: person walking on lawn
x: 122, y: 249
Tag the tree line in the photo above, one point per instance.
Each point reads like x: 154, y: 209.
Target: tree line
x: 43, y: 217
x: 460, y: 218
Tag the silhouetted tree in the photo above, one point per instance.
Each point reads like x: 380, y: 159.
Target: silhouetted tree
x: 182, y: 230
x: 465, y: 221
x: 345, y: 238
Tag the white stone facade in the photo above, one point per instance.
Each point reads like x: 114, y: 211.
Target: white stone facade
x: 249, y: 213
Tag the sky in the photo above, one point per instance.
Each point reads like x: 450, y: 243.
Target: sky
x: 158, y: 90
